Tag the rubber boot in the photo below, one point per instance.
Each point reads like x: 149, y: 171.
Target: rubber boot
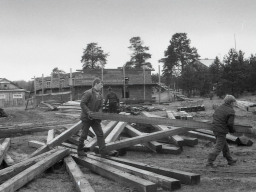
x: 80, y: 151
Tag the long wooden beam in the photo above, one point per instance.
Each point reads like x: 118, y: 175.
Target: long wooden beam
x: 144, y: 138
x: 78, y: 178
x: 112, y: 173
x: 58, y: 140
x: 30, y: 173
x: 13, y: 170
x: 152, y: 145
x: 184, y: 177
x: 165, y: 121
x: 160, y: 180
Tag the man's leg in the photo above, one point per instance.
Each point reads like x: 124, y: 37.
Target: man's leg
x: 227, y: 155
x: 85, y: 129
x: 220, y: 142
x: 96, y: 126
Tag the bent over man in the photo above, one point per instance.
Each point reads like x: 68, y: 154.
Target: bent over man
x: 223, y: 122
x: 112, y: 100
x: 91, y: 102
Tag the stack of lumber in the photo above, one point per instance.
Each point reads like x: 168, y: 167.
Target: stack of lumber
x: 70, y: 109
x: 192, y: 106
x: 60, y: 144
x: 246, y: 105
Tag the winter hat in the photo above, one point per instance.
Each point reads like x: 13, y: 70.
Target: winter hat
x: 229, y: 99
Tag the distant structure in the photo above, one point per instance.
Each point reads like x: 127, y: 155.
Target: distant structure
x: 206, y: 61
x: 11, y: 95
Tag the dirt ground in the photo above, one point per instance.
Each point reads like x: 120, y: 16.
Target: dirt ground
x: 241, y: 177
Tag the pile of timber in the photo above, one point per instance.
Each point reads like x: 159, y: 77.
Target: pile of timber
x: 61, y: 145
x: 133, y: 174
x: 246, y: 105
x: 2, y: 113
x: 192, y: 106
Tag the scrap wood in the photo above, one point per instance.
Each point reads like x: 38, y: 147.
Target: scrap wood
x: 190, y: 124
x: 4, y: 146
x: 201, y: 135
x: 35, y: 144
x: 184, y: 177
x: 117, y: 175
x: 78, y: 178
x: 161, y: 181
x: 58, y: 140
x: 30, y: 173
x: 49, y: 106
x: 50, y: 136
x: 13, y: 170
x: 152, y: 145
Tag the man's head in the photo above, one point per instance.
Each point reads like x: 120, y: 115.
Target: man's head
x: 97, y: 84
x: 229, y: 99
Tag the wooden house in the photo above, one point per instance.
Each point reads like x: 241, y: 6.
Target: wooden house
x: 129, y: 84
x: 10, y: 94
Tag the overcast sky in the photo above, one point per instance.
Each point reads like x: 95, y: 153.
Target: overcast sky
x: 39, y: 35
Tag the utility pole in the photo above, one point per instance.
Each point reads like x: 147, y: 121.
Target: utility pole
x: 159, y: 81
x: 71, y: 85
x: 42, y: 87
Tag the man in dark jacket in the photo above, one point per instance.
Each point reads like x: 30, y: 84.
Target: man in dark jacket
x: 112, y: 100
x: 223, y: 122
x: 91, y: 102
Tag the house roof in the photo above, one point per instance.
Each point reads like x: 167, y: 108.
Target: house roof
x: 207, y: 62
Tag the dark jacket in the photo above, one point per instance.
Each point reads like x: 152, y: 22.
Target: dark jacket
x: 111, y: 97
x: 91, y: 101
x: 223, y: 119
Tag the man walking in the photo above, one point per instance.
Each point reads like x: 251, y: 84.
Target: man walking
x: 223, y: 122
x: 91, y: 102
x: 112, y: 100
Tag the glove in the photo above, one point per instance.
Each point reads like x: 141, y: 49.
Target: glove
x: 231, y: 129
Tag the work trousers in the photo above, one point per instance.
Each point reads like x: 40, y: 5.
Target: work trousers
x: 96, y: 126
x: 112, y: 107
x: 221, y: 145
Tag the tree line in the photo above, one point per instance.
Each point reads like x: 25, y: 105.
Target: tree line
x: 181, y: 68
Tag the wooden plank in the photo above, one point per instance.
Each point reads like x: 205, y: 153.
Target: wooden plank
x: 160, y: 180
x: 106, y: 130
x: 15, y: 169
x: 116, y: 175
x: 165, y: 149
x: 184, y: 177
x: 6, y: 132
x: 152, y: 145
x: 144, y: 138
x: 190, y: 124
x: 116, y: 131
x: 8, y: 160
x: 201, y: 136
x: 78, y: 178
x: 50, y: 136
x: 35, y: 144
x: 58, y: 140
x: 4, y: 148
x: 175, y: 139
x: 189, y: 141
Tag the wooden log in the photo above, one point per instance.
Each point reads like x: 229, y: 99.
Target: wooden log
x: 144, y: 138
x: 4, y: 148
x: 106, y: 130
x: 160, y: 180
x: 190, y: 124
x: 64, y: 144
x: 116, y: 175
x: 78, y: 178
x: 184, y: 177
x: 58, y: 140
x: 152, y: 145
x: 15, y: 169
x: 189, y: 141
x: 49, y: 106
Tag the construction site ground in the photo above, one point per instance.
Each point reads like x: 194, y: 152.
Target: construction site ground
x: 241, y: 177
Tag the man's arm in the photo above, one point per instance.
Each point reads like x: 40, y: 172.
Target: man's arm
x: 230, y: 123
x: 84, y: 102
